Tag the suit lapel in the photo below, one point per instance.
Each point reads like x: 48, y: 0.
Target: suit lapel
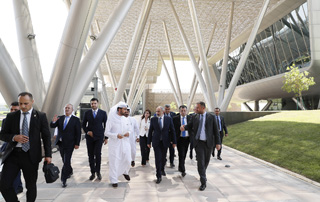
x: 33, y: 119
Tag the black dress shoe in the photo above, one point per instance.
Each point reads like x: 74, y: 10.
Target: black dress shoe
x: 183, y: 174
x: 202, y: 187
x: 133, y: 163
x: 172, y: 165
x: 92, y: 176
x: 219, y: 158
x: 115, y: 185
x: 158, y: 181
x: 127, y: 177
x: 64, y: 184
x: 163, y: 173
x: 99, y: 176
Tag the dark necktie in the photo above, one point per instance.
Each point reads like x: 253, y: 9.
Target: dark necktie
x: 160, y: 123
x: 219, y: 123
x: 25, y: 131
x: 199, y: 127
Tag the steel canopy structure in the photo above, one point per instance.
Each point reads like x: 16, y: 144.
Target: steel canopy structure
x: 133, y: 35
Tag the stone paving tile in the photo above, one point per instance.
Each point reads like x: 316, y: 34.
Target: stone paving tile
x: 247, y: 179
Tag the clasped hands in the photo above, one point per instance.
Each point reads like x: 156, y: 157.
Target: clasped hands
x: 122, y: 136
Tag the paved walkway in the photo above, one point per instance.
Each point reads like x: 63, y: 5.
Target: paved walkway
x: 247, y: 179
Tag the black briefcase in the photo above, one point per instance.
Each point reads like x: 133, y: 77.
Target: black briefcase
x: 51, y: 172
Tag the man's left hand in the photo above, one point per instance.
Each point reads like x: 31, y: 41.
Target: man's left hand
x: 48, y: 159
x: 76, y: 146
x: 105, y: 141
x: 226, y: 134
x: 126, y: 135
x: 173, y: 145
x: 218, y: 147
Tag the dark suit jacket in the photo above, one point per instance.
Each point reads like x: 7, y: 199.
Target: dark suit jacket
x: 177, y: 124
x: 38, y: 130
x: 223, y: 125
x: 71, y: 135
x: 168, y: 134
x: 211, y: 129
x: 96, y: 125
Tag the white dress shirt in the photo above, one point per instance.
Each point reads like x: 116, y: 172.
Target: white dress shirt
x: 143, y: 126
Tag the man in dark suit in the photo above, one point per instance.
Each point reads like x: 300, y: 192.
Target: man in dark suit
x: 204, y: 131
x: 68, y: 139
x: 183, y: 138
x: 169, y: 113
x: 222, y: 127
x: 94, y: 124
x: 23, y: 131
x: 17, y: 184
x: 161, y: 134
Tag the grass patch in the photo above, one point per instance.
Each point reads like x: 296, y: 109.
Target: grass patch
x: 288, y: 139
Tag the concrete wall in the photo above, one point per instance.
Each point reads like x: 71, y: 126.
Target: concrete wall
x: 238, y: 117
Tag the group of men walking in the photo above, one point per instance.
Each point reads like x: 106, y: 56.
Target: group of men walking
x: 24, y: 129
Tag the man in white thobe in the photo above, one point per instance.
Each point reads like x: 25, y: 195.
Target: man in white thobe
x: 118, y: 132
x: 135, y: 135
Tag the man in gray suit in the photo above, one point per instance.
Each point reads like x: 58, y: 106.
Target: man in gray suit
x: 203, y: 129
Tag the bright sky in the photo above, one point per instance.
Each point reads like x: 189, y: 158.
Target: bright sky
x: 48, y: 19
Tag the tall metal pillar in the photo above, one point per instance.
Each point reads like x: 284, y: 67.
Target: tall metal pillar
x: 132, y: 50
x: 111, y: 75
x: 170, y: 81
x: 139, y: 74
x: 29, y: 58
x: 68, y: 58
x: 195, y: 82
x: 202, y: 54
x: 178, y: 89
x: 135, y: 77
x: 256, y: 105
x: 138, y: 95
x: 104, y: 93
x: 192, y: 58
x: 97, y: 51
x: 223, y: 77
x: 266, y: 107
x: 11, y: 82
x: 237, y: 73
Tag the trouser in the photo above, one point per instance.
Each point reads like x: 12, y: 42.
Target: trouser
x: 203, y: 153
x: 183, y: 144
x: 160, y: 153
x: 66, y: 154
x: 171, y: 150
x: 19, y: 160
x: 145, y: 150
x: 94, y: 148
x: 221, y: 137
x: 17, y: 184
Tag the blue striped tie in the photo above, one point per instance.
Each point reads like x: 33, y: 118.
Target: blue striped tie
x: 25, y: 131
x: 94, y: 114
x: 65, y: 122
x: 183, y: 123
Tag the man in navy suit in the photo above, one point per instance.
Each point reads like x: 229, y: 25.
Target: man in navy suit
x: 68, y: 139
x: 17, y: 184
x: 183, y: 137
x: 161, y: 134
x: 169, y: 113
x: 222, y: 127
x: 24, y: 130
x: 204, y: 133
x: 94, y: 123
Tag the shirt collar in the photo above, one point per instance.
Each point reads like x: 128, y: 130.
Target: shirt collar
x: 30, y: 111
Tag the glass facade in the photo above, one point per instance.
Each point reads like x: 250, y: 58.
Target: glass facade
x: 284, y: 43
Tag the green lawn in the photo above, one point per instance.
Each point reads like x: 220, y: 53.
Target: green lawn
x: 290, y: 139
